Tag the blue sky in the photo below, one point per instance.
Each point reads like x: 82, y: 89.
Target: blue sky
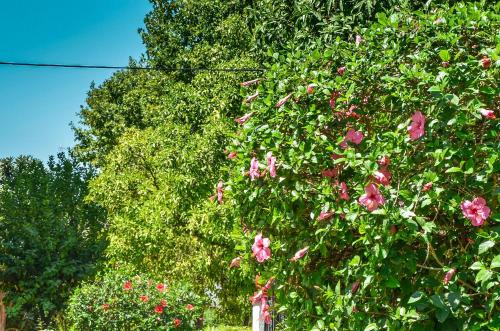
x: 37, y: 104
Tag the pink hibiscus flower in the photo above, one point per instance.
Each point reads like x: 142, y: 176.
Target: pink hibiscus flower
x: 220, y: 191
x: 325, y: 216
x: 243, y: 119
x: 252, y: 97
x: 427, y: 187
x: 417, y: 126
x: 344, y: 195
x: 477, y: 210
x: 448, y: 276
x: 260, y: 248
x: 283, y: 101
x: 372, y: 198
x: 254, y: 169
x: 236, y: 262
x: 488, y: 113
x: 250, y: 82
x: 232, y: 155
x: 382, y: 176
x: 352, y: 136
x: 271, y: 163
x: 300, y: 254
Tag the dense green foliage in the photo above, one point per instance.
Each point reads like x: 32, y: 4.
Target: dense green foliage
x: 383, y: 269
x: 120, y: 301
x: 50, y: 239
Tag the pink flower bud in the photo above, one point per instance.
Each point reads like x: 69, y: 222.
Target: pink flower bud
x: 448, y: 276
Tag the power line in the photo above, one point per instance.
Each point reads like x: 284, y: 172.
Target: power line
x: 80, y: 66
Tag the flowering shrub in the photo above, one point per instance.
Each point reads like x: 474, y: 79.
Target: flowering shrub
x: 384, y: 171
x: 122, y: 302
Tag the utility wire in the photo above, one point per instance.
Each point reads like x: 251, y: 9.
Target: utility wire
x: 80, y: 66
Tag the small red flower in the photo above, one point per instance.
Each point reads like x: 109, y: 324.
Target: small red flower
x: 427, y: 187
x: 105, y: 306
x: 160, y: 287
x: 177, y: 322
x: 341, y: 70
x: 159, y: 309
x: 163, y: 303
x: 485, y: 62
x: 189, y: 306
x: 144, y: 298
x: 127, y: 285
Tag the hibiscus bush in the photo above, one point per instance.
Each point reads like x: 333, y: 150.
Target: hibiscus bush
x: 119, y: 301
x: 364, y: 177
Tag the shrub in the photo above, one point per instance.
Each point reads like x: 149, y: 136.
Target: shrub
x: 119, y: 301
x: 382, y: 213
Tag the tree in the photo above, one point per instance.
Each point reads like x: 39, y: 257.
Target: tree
x: 50, y: 238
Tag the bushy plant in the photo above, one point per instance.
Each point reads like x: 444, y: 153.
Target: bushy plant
x: 119, y: 301
x: 370, y: 167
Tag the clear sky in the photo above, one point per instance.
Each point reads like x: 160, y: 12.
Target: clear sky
x: 37, y: 104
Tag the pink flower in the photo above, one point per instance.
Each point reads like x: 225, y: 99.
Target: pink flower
x: 352, y: 136
x: 250, y: 82
x: 416, y: 128
x: 260, y: 248
x: 159, y: 309
x: 235, y: 263
x: 476, y: 211
x: 163, y: 303
x: 382, y: 176
x: 243, y: 119
x: 189, y: 306
x: 177, y: 322
x: 325, y: 216
x: 427, y: 187
x: 271, y: 163
x: 485, y: 62
x: 252, y: 97
x: 384, y: 161
x: 144, y: 298
x: 359, y: 40
x: 299, y: 254
x: 283, y: 101
x: 333, y: 172
x: 487, y: 113
x: 220, y: 191
x: 254, y: 169
x: 343, y: 191
x: 341, y: 70
x: 232, y: 155
x: 266, y: 316
x: 127, y: 285
x: 310, y: 88
x: 372, y: 198
x: 333, y: 99
x: 448, y: 276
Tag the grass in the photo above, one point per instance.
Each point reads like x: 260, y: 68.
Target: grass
x: 227, y: 328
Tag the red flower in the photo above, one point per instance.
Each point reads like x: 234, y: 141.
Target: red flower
x: 159, y: 309
x: 189, y: 306
x: 144, y: 298
x: 485, y: 62
x: 341, y: 70
x: 160, y: 287
x: 127, y: 286
x: 427, y: 187
x: 177, y: 322
x: 163, y: 303
x: 105, y: 306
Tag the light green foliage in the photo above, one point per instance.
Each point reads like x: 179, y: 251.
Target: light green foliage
x: 385, y: 269
x: 49, y: 237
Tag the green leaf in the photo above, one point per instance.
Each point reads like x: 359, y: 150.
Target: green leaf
x: 453, y: 169
x: 483, y: 275
x: 416, y: 296
x: 477, y: 266
x: 444, y: 55
x: 495, y: 263
x: 442, y: 315
x: 483, y: 247
x: 371, y: 326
